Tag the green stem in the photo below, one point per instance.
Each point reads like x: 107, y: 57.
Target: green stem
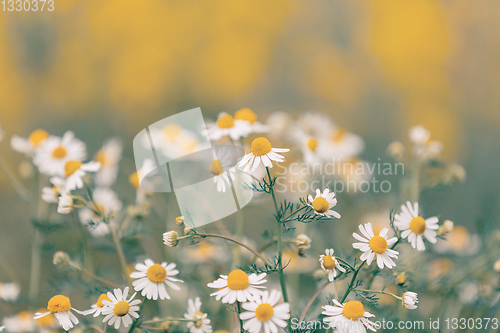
x: 378, y: 292
x: 234, y: 241
x: 280, y: 249
x: 349, y: 288
x: 308, y: 306
x: 345, y: 263
x: 36, y: 264
x: 121, y: 256
x: 280, y: 243
x: 293, y: 213
x: 238, y: 304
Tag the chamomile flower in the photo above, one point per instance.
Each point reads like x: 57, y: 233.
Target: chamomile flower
x: 51, y: 194
x: 375, y: 245
x: 410, y: 300
x: 322, y: 203
x: 96, y: 309
x: 152, y: 278
x: 22, y: 322
x: 349, y: 317
x: 120, y: 309
x: 60, y: 307
x: 415, y: 227
x: 423, y: 147
x: 74, y: 171
x: 222, y: 170
x: 54, y: 152
x: 303, y: 242
x: 27, y: 146
x: 249, y: 118
x: 329, y: 263
x: 9, y: 291
x: 107, y: 203
x: 264, y: 313
x: 227, y: 126
x: 65, y: 204
x: 261, y: 151
x: 200, y: 323
x: 109, y: 156
x: 344, y: 145
x: 238, y: 286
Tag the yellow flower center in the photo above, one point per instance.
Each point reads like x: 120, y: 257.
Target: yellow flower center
x: 320, y: 205
x: 37, y: 137
x: 246, y: 114
x: 59, y: 152
x: 71, y: 166
x: 45, y: 321
x: 417, y: 225
x: 59, y: 303
x: 226, y: 121
x: 328, y: 262
x: 171, y: 131
x: 215, y: 168
x: 261, y: 146
x: 134, y: 180
x: 100, y: 299
x: 121, y: 308
x: 264, y: 312
x: 338, y: 136
x: 237, y: 280
x: 157, y: 273
x: 100, y: 157
x: 378, y: 244
x: 353, y: 310
x: 312, y: 143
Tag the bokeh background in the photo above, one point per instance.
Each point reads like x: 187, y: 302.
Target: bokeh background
x: 110, y: 68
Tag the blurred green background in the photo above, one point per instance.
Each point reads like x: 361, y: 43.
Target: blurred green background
x: 110, y: 68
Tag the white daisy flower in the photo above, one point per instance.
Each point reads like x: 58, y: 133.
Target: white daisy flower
x: 51, y: 194
x: 65, y: 204
x: 27, y: 146
x: 322, y: 203
x: 172, y: 140
x: 238, y: 286
x: 54, y: 152
x: 410, y: 300
x: 249, y: 117
x: 423, y: 147
x: 96, y: 309
x: 60, y: 307
x: 222, y: 170
x: 329, y: 263
x: 263, y: 312
x: 261, y: 150
x: 349, y: 317
x: 414, y: 227
x: 152, y: 278
x: 343, y: 145
x: 22, y: 322
x: 120, y: 309
x: 227, y: 126
x: 9, y: 291
x: 200, y: 323
x: 108, y: 204
x: 109, y: 156
x: 2, y: 328
x: 375, y: 245
x: 74, y: 171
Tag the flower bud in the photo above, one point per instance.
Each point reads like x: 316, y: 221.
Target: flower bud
x: 401, y: 278
x: 61, y: 258
x: 410, y: 300
x: 396, y: 150
x: 179, y: 220
x: 170, y: 238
